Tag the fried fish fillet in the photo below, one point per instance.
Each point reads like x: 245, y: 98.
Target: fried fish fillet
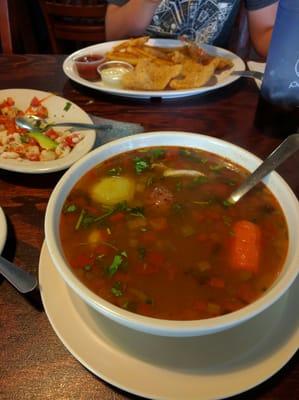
x: 223, y: 63
x: 201, y: 56
x: 149, y: 75
x: 193, y: 75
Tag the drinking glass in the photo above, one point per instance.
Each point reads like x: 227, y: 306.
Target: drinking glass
x: 278, y: 108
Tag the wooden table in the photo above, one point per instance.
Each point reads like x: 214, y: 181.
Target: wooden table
x: 34, y: 363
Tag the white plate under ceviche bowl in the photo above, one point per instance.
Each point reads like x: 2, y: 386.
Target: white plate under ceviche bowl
x: 59, y: 110
x: 222, y: 79
x: 3, y: 229
x: 282, y: 198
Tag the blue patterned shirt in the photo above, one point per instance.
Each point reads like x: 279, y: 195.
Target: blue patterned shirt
x: 205, y: 21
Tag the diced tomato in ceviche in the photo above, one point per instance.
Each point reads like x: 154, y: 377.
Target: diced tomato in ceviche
x: 19, y: 144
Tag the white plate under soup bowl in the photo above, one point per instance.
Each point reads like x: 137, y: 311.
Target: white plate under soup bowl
x: 274, y: 182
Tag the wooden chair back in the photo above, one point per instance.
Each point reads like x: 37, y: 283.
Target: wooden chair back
x: 74, y: 21
x: 5, y: 28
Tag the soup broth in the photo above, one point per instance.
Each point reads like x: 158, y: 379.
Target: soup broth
x: 150, y: 231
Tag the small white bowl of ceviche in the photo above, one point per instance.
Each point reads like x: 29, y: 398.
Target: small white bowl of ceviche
x: 52, y: 149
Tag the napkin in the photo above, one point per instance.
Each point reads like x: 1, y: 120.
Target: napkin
x: 256, y: 66
x: 113, y: 129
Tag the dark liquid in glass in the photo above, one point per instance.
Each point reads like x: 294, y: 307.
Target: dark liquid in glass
x: 276, y: 119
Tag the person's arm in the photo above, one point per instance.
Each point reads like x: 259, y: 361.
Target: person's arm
x: 130, y: 19
x: 261, y: 24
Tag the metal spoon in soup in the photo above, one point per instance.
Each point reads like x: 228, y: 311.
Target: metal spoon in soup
x: 288, y: 147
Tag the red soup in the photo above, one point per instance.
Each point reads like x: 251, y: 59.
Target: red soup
x: 150, y: 231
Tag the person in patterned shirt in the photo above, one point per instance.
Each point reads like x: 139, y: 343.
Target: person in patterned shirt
x: 205, y: 21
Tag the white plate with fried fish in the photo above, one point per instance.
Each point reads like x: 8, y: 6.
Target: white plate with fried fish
x: 217, y: 80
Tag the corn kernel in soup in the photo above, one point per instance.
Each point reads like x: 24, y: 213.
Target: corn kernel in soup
x: 149, y: 230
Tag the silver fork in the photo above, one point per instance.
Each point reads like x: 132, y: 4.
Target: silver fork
x: 249, y: 74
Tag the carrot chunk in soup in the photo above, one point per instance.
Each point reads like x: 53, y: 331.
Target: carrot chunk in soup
x: 246, y: 246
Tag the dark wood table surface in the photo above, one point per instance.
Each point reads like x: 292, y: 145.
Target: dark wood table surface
x: 34, y: 364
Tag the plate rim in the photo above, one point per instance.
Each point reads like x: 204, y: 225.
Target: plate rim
x: 46, y: 166
x: 3, y: 229
x: 283, y: 354
x: 166, y: 94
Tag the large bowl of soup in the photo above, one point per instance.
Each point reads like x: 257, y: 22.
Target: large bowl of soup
x: 141, y: 230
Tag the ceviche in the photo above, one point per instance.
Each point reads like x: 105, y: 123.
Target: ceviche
x: 40, y: 145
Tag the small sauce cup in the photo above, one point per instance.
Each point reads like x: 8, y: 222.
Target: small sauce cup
x: 112, y: 72
x: 86, y: 66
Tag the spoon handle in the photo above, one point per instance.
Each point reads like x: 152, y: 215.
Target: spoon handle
x: 80, y: 125
x: 249, y: 74
x: 22, y: 280
x: 289, y: 146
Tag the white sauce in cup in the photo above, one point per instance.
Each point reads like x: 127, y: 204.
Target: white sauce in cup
x: 112, y: 72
